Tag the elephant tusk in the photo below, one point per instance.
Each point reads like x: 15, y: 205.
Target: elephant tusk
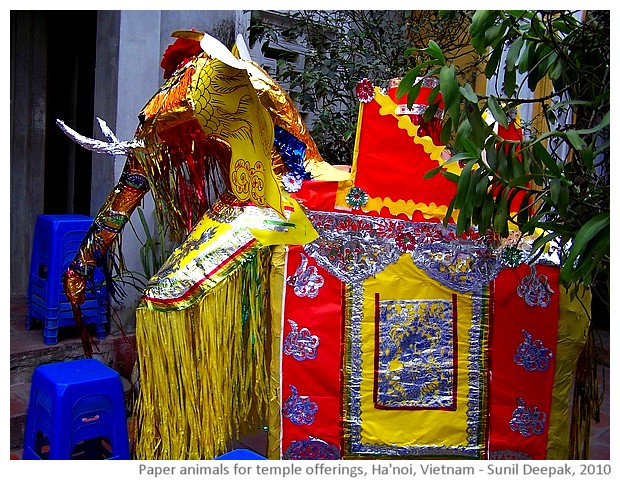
x: 106, y: 130
x: 114, y: 147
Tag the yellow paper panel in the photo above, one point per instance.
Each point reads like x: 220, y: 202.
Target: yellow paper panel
x: 404, y: 281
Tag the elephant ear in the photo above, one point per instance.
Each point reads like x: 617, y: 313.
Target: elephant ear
x: 216, y: 49
x: 194, y: 35
x: 190, y: 43
x: 240, y: 49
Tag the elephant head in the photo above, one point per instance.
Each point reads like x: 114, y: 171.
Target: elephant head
x: 218, y: 125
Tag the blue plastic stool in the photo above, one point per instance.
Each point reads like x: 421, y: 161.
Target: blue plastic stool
x: 57, y: 239
x: 240, y: 454
x: 76, y: 411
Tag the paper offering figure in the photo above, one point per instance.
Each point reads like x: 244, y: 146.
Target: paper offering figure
x: 331, y: 306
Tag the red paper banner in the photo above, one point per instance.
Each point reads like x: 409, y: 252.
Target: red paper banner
x: 312, y: 354
x: 523, y: 342
x: 393, y: 165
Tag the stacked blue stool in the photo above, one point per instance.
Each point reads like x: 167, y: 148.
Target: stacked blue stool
x: 240, y: 454
x: 76, y: 412
x: 57, y: 239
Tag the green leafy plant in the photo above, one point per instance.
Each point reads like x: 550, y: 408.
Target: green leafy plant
x: 555, y: 179
x: 341, y: 47
x: 154, y: 250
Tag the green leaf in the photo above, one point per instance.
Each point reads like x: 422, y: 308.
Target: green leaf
x: 432, y: 96
x: 431, y: 173
x: 493, y: 62
x: 449, y: 211
x: 557, y: 69
x: 554, y: 189
x: 545, y: 157
x: 468, y: 93
x: 589, y: 231
x: 500, y: 220
x: 525, y: 62
x: 488, y: 207
x: 463, y: 223
x: 463, y: 132
x: 497, y: 111
x: 504, y: 164
x: 524, y: 208
x: 408, y: 81
x: 605, y: 121
x: 517, y: 165
x: 513, y: 53
x: 493, y: 33
x: 449, y: 88
x: 575, y: 140
x: 557, y: 227
x: 491, y: 154
x: 479, y: 128
x: 549, y: 62
x: 453, y: 177
x: 463, y: 184
x: 481, y: 189
x: 413, y: 93
x: 446, y: 131
x: 520, y: 181
x: 587, y: 155
x: 567, y: 103
x: 541, y: 241
x: 430, y: 112
x: 596, y: 128
x: 471, y: 148
x: 532, y: 223
x: 563, y: 24
x: 435, y: 51
x: 479, y: 21
x: 538, y: 65
x: 510, y: 81
x: 470, y: 204
x: 593, y: 260
x: 458, y: 156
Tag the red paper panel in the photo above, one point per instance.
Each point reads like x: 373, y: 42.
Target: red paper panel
x: 318, y: 378
x: 512, y: 316
x: 390, y: 164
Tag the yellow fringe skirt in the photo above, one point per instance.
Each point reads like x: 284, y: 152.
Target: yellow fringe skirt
x: 203, y: 369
